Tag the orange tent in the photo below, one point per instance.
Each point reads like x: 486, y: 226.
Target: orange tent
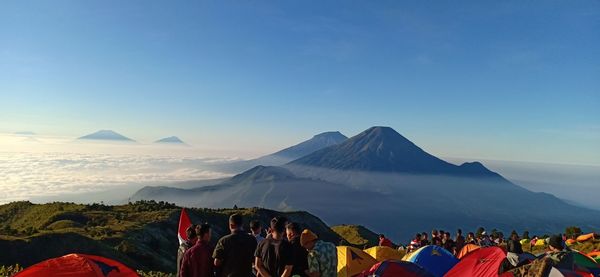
x: 585, y: 237
x: 78, y: 265
x: 468, y: 248
x: 571, y: 241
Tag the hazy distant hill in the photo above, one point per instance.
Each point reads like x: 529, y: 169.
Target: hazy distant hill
x: 286, y: 155
x: 106, y: 135
x: 171, y: 140
x: 380, y: 179
x: 142, y: 235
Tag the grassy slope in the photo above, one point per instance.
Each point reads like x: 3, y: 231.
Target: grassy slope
x: 357, y: 235
x: 141, y: 235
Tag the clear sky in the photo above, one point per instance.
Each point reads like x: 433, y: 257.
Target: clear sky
x: 510, y: 80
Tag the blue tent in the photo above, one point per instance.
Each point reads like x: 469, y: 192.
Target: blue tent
x: 434, y: 259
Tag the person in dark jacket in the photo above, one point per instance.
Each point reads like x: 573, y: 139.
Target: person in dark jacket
x: 274, y: 256
x: 191, y: 235
x: 299, y: 253
x: 234, y: 253
x: 197, y: 261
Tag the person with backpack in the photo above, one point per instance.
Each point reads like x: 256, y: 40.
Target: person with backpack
x: 322, y: 256
x: 274, y: 255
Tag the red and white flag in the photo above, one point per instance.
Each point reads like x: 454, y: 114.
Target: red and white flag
x: 184, y: 223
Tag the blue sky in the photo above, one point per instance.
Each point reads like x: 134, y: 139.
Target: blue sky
x: 508, y: 80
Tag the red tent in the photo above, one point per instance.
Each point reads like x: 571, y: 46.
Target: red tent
x: 78, y: 265
x: 481, y: 263
x: 392, y: 268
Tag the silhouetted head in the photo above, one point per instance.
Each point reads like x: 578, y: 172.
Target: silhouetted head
x: 204, y: 232
x: 190, y: 232
x: 292, y: 230
x: 235, y: 222
x: 556, y: 243
x: 255, y: 227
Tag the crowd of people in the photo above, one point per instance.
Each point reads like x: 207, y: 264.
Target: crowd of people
x: 444, y: 239
x: 286, y: 250
x: 558, y: 255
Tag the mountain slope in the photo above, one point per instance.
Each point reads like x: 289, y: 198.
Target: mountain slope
x: 106, y: 135
x: 381, y: 180
x: 143, y: 235
x: 286, y: 155
x: 170, y: 140
x: 382, y: 149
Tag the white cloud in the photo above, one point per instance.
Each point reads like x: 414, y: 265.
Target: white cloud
x: 25, y: 175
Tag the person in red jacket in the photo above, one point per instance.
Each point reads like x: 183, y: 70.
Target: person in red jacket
x: 383, y: 241
x: 198, y: 261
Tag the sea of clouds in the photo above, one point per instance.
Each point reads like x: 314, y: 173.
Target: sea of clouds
x: 38, y: 171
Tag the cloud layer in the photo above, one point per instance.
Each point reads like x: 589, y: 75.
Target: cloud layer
x: 26, y: 175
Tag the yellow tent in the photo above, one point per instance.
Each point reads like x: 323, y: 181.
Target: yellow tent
x: 525, y: 242
x: 585, y: 237
x: 540, y: 242
x: 382, y: 253
x: 352, y: 261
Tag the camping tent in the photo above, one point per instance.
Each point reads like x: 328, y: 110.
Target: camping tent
x: 587, y: 262
x: 555, y: 272
x: 382, y: 253
x: 525, y: 241
x: 585, y: 237
x: 393, y: 268
x: 433, y: 258
x: 468, y: 248
x: 353, y: 261
x: 595, y: 255
x: 540, y: 242
x: 571, y: 242
x: 481, y: 263
x: 78, y: 265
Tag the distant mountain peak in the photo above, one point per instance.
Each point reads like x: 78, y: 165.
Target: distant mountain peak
x: 383, y: 149
x: 106, y: 135
x: 331, y: 134
x: 317, y: 142
x: 171, y: 139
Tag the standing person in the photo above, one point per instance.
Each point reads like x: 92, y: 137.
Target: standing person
x: 424, y: 240
x: 471, y: 238
x: 415, y: 243
x: 322, y: 256
x: 485, y: 240
x: 293, y: 232
x: 256, y: 231
x: 274, y: 256
x: 448, y: 243
x: 383, y: 241
x: 562, y: 257
x: 191, y: 240
x: 197, y: 261
x: 532, y: 243
x: 460, y: 240
x: 234, y: 253
x: 435, y: 237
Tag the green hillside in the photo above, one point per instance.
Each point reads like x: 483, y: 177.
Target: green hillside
x: 142, y: 235
x: 357, y: 235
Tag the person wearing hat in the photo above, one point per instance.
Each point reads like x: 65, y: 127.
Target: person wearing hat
x: 561, y: 256
x: 322, y: 256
